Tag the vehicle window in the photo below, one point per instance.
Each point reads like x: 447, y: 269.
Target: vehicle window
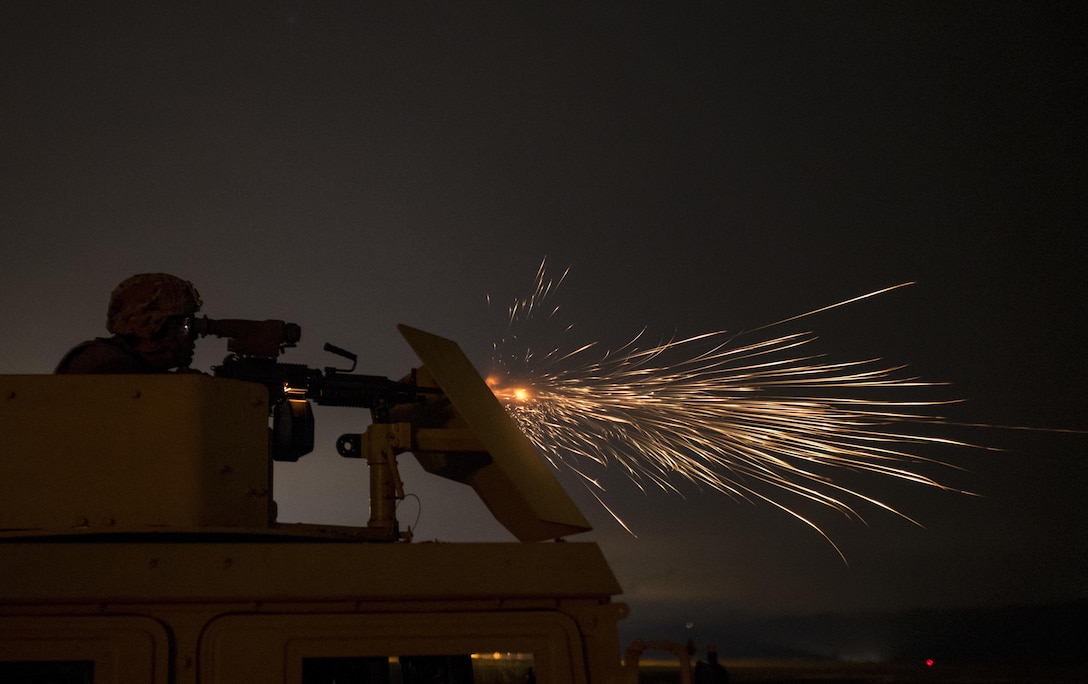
x: 47, y: 672
x: 476, y: 668
x: 510, y: 647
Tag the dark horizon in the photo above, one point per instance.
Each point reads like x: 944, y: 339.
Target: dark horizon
x: 1048, y: 635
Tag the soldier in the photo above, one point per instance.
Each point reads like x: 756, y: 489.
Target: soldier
x: 151, y: 318
x: 711, y: 672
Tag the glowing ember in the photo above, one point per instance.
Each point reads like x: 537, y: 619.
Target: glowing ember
x: 735, y: 417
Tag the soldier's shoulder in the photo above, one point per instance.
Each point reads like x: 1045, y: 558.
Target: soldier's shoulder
x: 101, y: 355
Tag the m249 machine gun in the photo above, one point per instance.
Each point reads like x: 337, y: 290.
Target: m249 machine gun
x: 443, y: 413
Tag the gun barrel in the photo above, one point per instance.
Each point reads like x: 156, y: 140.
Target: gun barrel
x: 359, y: 391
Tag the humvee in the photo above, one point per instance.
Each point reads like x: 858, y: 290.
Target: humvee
x: 139, y: 541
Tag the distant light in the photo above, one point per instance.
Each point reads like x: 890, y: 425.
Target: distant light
x: 929, y: 662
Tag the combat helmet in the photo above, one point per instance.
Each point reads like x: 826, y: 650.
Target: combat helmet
x: 143, y: 303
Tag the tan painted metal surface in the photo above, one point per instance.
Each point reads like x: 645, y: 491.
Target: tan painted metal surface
x: 133, y: 451
x: 517, y: 485
x: 36, y: 572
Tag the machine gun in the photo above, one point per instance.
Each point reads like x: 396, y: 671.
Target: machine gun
x: 255, y: 347
x: 443, y: 413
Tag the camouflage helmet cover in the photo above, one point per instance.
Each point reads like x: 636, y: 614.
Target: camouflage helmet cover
x: 142, y: 304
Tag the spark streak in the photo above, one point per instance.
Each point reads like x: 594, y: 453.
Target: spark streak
x: 752, y: 420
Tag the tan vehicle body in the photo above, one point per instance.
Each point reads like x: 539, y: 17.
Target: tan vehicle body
x: 138, y: 544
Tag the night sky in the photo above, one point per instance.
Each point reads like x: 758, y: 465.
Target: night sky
x: 349, y: 166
